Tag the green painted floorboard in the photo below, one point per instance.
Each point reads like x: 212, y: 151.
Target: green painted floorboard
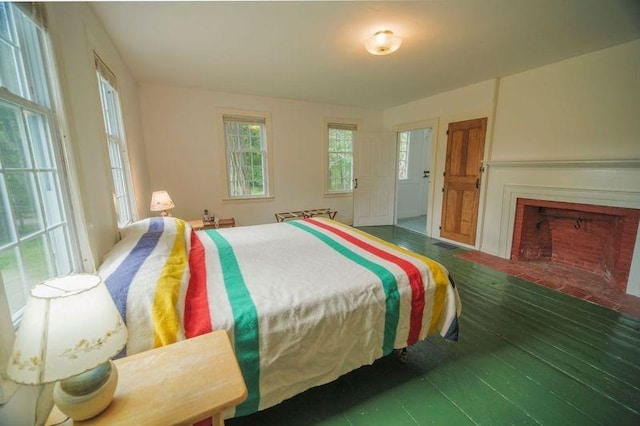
x: 526, y: 355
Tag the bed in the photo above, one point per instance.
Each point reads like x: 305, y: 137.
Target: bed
x: 303, y: 301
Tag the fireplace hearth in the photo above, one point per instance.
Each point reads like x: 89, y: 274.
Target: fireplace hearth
x: 596, y: 239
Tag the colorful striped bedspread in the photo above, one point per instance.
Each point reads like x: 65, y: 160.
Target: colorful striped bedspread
x: 303, y: 301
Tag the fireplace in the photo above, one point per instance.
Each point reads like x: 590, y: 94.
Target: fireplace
x: 593, y: 238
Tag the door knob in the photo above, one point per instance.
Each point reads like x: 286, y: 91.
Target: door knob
x: 426, y: 174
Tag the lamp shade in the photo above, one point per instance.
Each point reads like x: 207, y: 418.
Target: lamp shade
x: 383, y: 43
x: 70, y: 325
x: 160, y: 200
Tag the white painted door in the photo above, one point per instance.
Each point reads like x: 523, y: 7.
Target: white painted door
x: 374, y: 167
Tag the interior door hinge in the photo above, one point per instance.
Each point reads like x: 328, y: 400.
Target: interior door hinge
x: 443, y: 189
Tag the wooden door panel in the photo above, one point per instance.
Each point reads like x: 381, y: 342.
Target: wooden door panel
x: 451, y: 212
x: 460, y: 215
x: 474, y: 156
x: 457, y: 161
x: 468, y: 217
x: 465, y: 150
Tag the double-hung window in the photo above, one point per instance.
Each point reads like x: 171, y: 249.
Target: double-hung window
x: 37, y: 240
x: 246, y: 146
x: 122, y: 193
x: 340, y: 140
x: 403, y: 155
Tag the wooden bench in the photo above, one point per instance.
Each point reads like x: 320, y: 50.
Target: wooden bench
x: 303, y: 214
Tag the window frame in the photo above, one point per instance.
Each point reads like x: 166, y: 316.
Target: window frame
x: 45, y: 100
x: 120, y: 173
x: 346, y: 122
x: 252, y: 117
x: 407, y: 152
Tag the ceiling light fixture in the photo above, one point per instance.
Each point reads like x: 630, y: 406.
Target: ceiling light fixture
x: 383, y: 43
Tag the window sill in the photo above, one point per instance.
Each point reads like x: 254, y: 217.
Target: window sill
x: 248, y: 199
x: 337, y: 194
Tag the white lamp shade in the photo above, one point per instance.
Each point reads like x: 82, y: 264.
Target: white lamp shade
x: 160, y: 200
x: 383, y: 43
x: 70, y: 325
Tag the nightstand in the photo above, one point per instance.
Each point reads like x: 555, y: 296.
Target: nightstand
x: 199, y: 224
x: 181, y: 383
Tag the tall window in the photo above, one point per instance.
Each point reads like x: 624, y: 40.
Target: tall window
x: 122, y: 193
x: 36, y: 239
x: 403, y: 155
x: 340, y: 138
x: 246, y: 149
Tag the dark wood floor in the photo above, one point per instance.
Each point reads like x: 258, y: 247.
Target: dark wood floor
x: 527, y: 355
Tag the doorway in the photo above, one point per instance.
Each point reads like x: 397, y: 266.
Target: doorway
x: 413, y: 178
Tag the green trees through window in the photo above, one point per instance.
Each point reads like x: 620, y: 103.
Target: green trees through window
x: 246, y: 149
x: 340, y: 157
x: 35, y: 234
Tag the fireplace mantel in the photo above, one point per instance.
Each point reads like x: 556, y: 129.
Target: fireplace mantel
x: 600, y: 164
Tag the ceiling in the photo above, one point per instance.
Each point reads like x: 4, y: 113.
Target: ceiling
x: 314, y: 51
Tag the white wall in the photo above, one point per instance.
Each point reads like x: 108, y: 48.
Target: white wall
x: 76, y: 33
x: 586, y: 107
x: 180, y: 128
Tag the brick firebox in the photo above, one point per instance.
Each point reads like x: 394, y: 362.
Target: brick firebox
x: 597, y: 239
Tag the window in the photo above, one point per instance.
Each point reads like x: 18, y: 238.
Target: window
x: 37, y: 240
x: 246, y: 144
x: 111, y: 113
x: 403, y: 155
x: 340, y: 138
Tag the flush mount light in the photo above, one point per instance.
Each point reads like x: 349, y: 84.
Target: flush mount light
x: 383, y: 43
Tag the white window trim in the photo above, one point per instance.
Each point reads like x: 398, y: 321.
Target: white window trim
x: 75, y: 214
x: 76, y: 224
x: 222, y: 152
x: 325, y: 154
x: 68, y: 168
x: 7, y: 335
x: 408, y: 132
x: 102, y: 70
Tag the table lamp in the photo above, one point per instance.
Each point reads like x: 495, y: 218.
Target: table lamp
x: 161, y: 202
x: 69, y: 331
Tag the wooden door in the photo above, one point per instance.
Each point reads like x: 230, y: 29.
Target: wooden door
x: 374, y: 178
x: 462, y: 179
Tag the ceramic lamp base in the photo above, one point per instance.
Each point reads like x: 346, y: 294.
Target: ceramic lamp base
x: 86, y: 395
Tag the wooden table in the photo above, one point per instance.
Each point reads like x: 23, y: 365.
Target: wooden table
x: 303, y: 214
x: 199, y: 224
x: 181, y: 383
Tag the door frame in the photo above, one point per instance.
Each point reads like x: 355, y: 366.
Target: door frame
x: 407, y: 127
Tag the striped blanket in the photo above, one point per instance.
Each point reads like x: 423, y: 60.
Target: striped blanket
x: 303, y: 301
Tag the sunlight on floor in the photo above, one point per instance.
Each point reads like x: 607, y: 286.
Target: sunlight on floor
x: 415, y: 224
